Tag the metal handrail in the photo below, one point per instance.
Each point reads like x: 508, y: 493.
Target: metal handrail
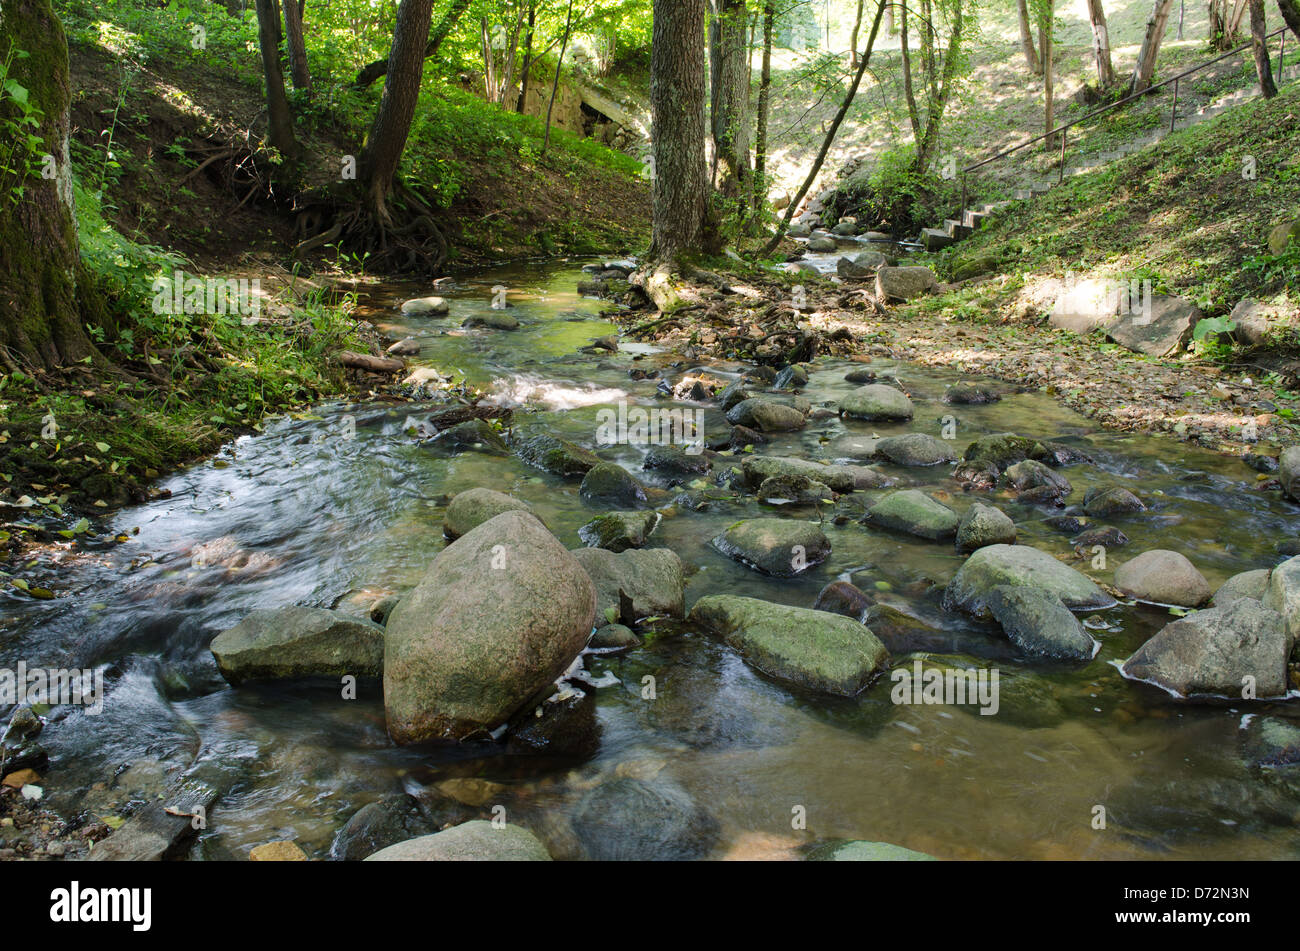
x: 1062, y: 130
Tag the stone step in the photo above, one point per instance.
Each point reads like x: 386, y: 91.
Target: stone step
x: 974, y: 219
x: 935, y: 238
x: 956, y: 229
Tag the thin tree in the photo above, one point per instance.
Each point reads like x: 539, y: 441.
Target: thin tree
x: 1259, y: 46
x: 831, y: 132
x: 853, y: 37
x: 1101, y: 43
x: 678, y: 90
x: 1027, y: 38
x: 297, y: 45
x: 279, y: 120
x: 730, y: 81
x: 1046, y: 41
x: 937, y: 85
x: 526, y: 69
x: 764, y: 106
x: 1145, y: 68
x: 555, y: 87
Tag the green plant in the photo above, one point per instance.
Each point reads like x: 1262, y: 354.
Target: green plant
x: 18, y: 118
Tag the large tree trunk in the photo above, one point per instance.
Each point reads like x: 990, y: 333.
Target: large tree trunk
x: 387, y: 138
x: 279, y: 120
x: 831, y: 132
x: 678, y: 88
x: 764, y: 106
x: 297, y: 46
x: 1155, y: 35
x: 729, y: 75
x: 1027, y: 38
x: 1101, y: 43
x: 45, y: 295
x: 445, y: 26
x: 527, y: 68
x: 1259, y: 46
x: 1291, y: 14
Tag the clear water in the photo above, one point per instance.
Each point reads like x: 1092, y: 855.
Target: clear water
x: 298, y: 515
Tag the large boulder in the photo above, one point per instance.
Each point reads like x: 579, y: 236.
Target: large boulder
x: 877, y: 401
x: 1085, y: 306
x: 779, y: 547
x: 500, y: 613
x: 1247, y: 584
x: 652, y: 578
x: 1020, y: 565
x: 1283, y: 595
x: 1163, y: 577
x: 1212, y: 652
x: 294, y: 642
x: 1038, y: 623
x: 758, y: 469
x: 914, y: 512
x: 813, y: 649
x: 1160, y: 330
x: 471, y: 508
x: 476, y: 841
x: 904, y: 283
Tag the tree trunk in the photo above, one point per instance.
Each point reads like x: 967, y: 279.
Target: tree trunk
x: 764, y: 105
x: 831, y: 132
x: 1259, y: 46
x: 1155, y: 35
x: 279, y: 120
x: 387, y: 138
x: 678, y: 89
x: 853, y: 37
x: 528, y: 60
x: 555, y: 87
x: 445, y: 26
x: 1046, y: 38
x: 1291, y: 14
x: 45, y: 295
x: 1027, y: 39
x: 729, y: 74
x: 298, y: 70
x: 1101, y: 43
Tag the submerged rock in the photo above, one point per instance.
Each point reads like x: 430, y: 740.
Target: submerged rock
x: 766, y: 416
x: 471, y: 508
x: 971, y: 394
x: 813, y: 649
x: 379, y: 824
x: 779, y: 547
x: 1108, y: 502
x: 1163, y: 577
x: 610, y: 484
x: 1023, y: 566
x: 294, y: 642
x: 1032, y: 474
x: 914, y: 512
x: 915, y: 449
x: 628, y: 819
x: 843, y: 598
x: 1211, y: 652
x: 476, y: 841
x: 564, y: 724
x: 500, y: 613
x: 675, y: 461
x: 861, y: 851
x: 494, y: 320
x: 557, y: 456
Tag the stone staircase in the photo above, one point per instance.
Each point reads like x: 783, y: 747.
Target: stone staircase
x: 932, y: 239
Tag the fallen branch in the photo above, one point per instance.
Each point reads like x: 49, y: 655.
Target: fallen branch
x: 363, y: 361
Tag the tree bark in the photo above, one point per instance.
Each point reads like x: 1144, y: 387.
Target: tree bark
x: 1259, y: 46
x: 379, y: 67
x: 297, y: 46
x: 853, y: 37
x: 279, y: 119
x: 1101, y: 43
x: 831, y: 132
x: 387, y: 138
x: 764, y: 106
x: 729, y: 75
x: 678, y: 89
x: 46, y: 296
x: 1291, y: 14
x: 528, y: 60
x: 1046, y: 37
x: 1155, y: 35
x: 1027, y: 39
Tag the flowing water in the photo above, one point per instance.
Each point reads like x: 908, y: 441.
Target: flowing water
x: 301, y: 515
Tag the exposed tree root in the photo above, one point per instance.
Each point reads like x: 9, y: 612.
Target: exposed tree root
x: 404, y: 238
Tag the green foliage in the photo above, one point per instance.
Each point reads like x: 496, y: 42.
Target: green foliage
x: 20, y: 146
x: 894, y: 196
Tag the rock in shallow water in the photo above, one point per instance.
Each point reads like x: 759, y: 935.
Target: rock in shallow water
x: 915, y: 449
x: 477, y: 841
x: 1024, y: 566
x: 1247, y: 584
x: 843, y: 598
x: 1210, y: 652
x: 914, y: 512
x: 500, y: 613
x: 652, y: 579
x: 1163, y: 577
x: 471, y: 508
x: 813, y: 649
x: 861, y: 851
x: 876, y: 401
x: 294, y: 642
x: 619, y: 531
x: 779, y: 547
x: 1038, y: 623
x: 984, y: 525
x: 634, y: 820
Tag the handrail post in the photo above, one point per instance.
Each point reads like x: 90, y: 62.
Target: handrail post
x: 1065, y: 134
x: 1281, y: 55
x: 963, y: 196
x: 1173, y: 113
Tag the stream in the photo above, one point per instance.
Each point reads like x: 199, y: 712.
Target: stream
x: 299, y: 514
